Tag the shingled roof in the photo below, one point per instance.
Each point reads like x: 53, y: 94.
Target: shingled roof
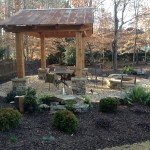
x: 64, y: 21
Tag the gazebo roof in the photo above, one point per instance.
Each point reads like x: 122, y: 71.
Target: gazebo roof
x: 54, y: 22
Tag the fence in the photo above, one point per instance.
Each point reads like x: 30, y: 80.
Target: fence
x: 8, y: 69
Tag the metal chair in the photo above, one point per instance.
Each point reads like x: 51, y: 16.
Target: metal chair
x: 52, y: 78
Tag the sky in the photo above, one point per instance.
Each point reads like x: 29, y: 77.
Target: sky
x: 108, y: 5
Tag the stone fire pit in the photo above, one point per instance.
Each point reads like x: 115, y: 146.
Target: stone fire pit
x: 122, y: 80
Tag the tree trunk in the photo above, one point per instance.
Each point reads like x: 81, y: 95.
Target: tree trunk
x: 114, y: 54
x: 115, y: 41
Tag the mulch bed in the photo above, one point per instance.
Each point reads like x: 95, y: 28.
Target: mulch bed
x: 96, y: 130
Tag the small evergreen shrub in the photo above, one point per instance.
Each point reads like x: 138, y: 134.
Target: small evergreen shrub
x: 66, y: 121
x: 124, y: 101
x: 12, y: 94
x: 70, y: 106
x: 9, y: 118
x: 13, y: 139
x: 30, y: 100
x: 30, y: 91
x: 87, y: 100
x: 128, y: 70
x: 46, y: 99
x: 30, y: 104
x: 108, y: 104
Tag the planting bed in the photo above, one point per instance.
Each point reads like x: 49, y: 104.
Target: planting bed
x: 96, y: 130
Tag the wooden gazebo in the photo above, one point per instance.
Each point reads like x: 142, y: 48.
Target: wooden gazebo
x: 49, y: 23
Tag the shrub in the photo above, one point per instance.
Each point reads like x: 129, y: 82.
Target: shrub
x: 108, y: 104
x: 65, y: 120
x: 70, y: 56
x: 138, y: 94
x: 46, y: 99
x: 124, y: 101
x: 13, y: 139
x: 128, y: 70
x: 70, y: 106
x: 12, y: 94
x: 87, y: 100
x: 2, y: 52
x: 30, y: 103
x: 9, y: 118
x: 30, y: 91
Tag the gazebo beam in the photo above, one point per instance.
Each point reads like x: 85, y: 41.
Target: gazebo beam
x: 19, y: 55
x: 79, y: 54
x: 58, y: 34
x: 47, y: 28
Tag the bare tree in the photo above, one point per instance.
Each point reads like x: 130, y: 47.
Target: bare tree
x: 120, y: 6
x: 136, y: 5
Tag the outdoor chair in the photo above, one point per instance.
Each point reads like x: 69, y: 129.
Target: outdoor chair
x: 94, y: 73
x: 52, y: 78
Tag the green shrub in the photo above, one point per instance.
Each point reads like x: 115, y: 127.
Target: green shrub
x: 13, y: 139
x: 108, y: 104
x: 138, y: 94
x: 9, y: 118
x: 65, y: 120
x: 70, y: 56
x: 2, y: 52
x: 70, y: 106
x: 147, y: 101
x: 30, y: 100
x: 124, y: 101
x: 87, y: 100
x: 128, y: 70
x: 46, y: 99
x: 12, y: 94
x: 30, y: 91
x: 30, y: 104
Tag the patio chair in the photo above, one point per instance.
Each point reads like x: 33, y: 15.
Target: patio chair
x: 95, y: 72
x: 52, y: 78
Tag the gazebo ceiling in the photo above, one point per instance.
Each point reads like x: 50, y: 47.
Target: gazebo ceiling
x: 54, y: 22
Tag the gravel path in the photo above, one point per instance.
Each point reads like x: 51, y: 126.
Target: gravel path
x: 98, y: 91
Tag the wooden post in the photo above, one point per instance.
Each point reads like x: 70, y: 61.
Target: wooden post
x: 79, y: 54
x: 43, y: 57
x: 19, y: 55
x: 83, y: 52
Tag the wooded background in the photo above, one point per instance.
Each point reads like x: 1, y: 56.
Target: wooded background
x: 120, y: 26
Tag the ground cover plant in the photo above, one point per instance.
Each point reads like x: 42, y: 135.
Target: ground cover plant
x: 138, y: 94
